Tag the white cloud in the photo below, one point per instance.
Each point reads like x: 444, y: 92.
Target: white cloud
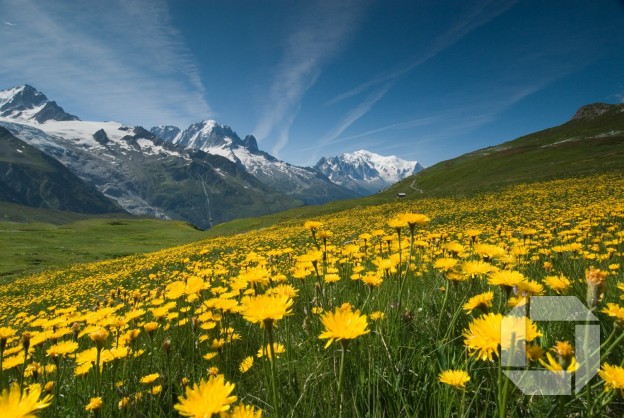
x: 120, y: 60
x: 355, y: 114
x: 317, y: 34
x: 476, y: 17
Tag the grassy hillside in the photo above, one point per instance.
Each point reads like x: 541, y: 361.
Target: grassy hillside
x: 55, y: 239
x: 368, y: 317
x: 32, y: 178
x: 590, y: 143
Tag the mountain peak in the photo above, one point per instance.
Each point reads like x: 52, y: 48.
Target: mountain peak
x: 166, y: 132
x: 366, y: 172
x: 26, y: 103
x: 250, y: 143
x: 595, y: 110
x: 206, y: 135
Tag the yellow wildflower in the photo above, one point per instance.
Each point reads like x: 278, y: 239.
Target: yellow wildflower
x: 454, y: 378
x: 342, y: 325
x: 15, y: 403
x: 208, y: 398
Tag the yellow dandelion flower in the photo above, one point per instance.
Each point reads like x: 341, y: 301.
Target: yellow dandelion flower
x: 596, y: 279
x: 332, y: 278
x: 413, y: 219
x: 445, y: 264
x: 534, y: 352
x: 150, y: 327
x: 62, y: 349
x: 343, y: 325
x: 563, y: 349
x: 94, y: 404
x: 246, y: 364
x: 474, y: 269
x: 530, y: 288
x: 473, y: 233
x: 557, y: 366
x: 489, y: 251
x: 454, y: 378
x: 483, y: 336
x: 514, y: 302
x: 506, y: 278
x: 559, y: 284
x: 99, y: 337
x: 613, y: 377
x: 517, y: 329
x: 82, y: 369
x: 312, y: 226
x: 266, y: 308
x: 284, y: 290
x: 397, y: 223
x: 209, y: 397
x: 18, y: 404
x: 149, y: 379
x: 217, y: 343
x: 5, y: 334
x: 455, y: 248
x: 482, y: 301
x: 245, y: 411
x: 123, y: 403
x: 377, y: 316
x: 372, y: 279
x: 49, y: 387
x: 12, y: 361
x: 277, y: 349
x: 616, y: 311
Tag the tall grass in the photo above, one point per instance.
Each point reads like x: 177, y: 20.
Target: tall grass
x: 415, y: 311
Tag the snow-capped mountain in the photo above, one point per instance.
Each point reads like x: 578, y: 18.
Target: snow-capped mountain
x: 303, y: 183
x: 204, y: 174
x: 25, y: 103
x: 29, y: 177
x: 140, y: 172
x: 366, y: 172
x: 168, y: 133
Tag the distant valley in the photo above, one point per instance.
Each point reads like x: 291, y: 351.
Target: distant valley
x: 205, y: 174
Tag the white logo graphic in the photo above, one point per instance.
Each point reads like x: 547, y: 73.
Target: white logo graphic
x: 545, y: 382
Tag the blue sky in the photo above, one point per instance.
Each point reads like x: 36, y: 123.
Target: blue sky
x: 423, y: 80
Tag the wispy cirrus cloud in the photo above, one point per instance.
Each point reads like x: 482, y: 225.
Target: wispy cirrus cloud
x: 481, y: 14
x: 120, y: 60
x: 356, y: 113
x: 474, y: 18
x: 319, y: 32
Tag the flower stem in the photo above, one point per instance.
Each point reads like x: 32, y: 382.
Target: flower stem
x: 24, y: 369
x: 1, y: 360
x: 404, y: 278
x: 503, y: 390
x: 341, y: 375
x: 97, y: 372
x: 616, y: 343
x: 269, y: 328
